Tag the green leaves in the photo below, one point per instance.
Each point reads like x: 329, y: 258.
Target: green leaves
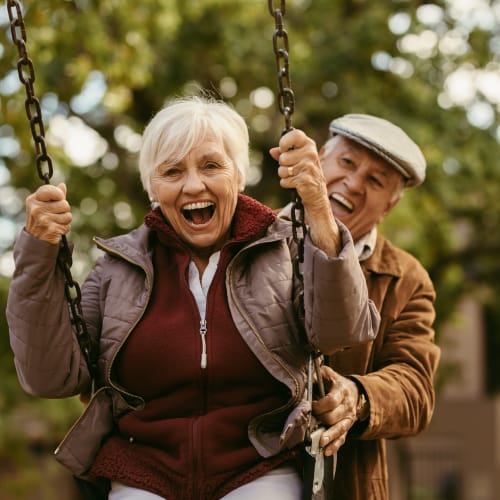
x: 343, y: 58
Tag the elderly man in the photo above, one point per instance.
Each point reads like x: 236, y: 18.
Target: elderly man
x: 383, y: 389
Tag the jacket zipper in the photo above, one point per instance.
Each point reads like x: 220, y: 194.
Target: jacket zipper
x: 203, y: 334
x: 296, y: 395
x: 111, y: 251
x: 198, y: 469
x: 194, y: 451
x: 77, y: 421
x: 108, y: 378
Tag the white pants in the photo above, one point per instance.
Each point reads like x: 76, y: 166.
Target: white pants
x: 283, y: 483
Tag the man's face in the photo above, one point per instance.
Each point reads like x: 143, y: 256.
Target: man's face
x: 362, y: 187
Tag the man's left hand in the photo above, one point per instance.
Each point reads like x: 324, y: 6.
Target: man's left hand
x: 337, y: 409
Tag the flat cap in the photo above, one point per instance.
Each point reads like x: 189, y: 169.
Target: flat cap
x: 386, y: 140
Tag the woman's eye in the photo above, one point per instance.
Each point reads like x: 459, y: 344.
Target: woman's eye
x: 211, y: 165
x: 377, y: 182
x: 172, y: 171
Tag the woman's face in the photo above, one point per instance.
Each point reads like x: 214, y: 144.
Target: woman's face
x: 198, y: 195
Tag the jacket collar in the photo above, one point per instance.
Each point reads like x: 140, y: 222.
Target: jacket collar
x: 251, y: 221
x: 384, y: 259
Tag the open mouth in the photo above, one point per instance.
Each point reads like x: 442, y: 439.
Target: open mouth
x: 344, y: 203
x: 198, y: 213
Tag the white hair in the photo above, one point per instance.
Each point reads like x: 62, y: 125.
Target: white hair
x: 182, y: 124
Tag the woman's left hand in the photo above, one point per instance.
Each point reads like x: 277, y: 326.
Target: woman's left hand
x: 300, y: 169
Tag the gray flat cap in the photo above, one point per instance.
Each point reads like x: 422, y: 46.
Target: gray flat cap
x: 386, y: 140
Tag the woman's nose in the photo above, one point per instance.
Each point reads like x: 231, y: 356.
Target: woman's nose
x: 193, y: 182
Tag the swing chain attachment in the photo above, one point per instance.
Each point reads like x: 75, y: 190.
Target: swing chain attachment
x: 286, y: 105
x: 26, y: 73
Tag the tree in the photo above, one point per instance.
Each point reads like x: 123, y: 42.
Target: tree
x: 103, y: 69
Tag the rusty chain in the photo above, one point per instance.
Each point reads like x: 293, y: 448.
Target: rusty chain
x: 26, y: 73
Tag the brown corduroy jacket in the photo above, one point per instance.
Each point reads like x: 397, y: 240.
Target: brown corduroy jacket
x: 396, y: 370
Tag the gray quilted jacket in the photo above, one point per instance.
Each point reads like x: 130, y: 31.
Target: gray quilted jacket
x: 116, y: 293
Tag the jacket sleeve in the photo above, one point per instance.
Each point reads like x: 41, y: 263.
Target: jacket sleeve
x: 405, y: 362
x: 338, y: 312
x: 47, y: 356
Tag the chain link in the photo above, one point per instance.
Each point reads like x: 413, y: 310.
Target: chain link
x: 286, y: 105
x: 26, y: 73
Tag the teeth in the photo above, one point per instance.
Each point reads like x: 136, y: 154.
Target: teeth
x: 340, y: 199
x: 197, y: 205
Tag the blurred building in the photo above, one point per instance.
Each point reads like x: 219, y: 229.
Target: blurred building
x: 458, y: 456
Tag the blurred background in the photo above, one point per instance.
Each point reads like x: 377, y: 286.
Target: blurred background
x: 104, y: 67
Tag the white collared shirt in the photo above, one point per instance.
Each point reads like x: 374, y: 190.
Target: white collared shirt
x: 366, y: 245
x: 199, y: 287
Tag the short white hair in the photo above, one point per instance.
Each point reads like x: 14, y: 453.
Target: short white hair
x: 182, y: 124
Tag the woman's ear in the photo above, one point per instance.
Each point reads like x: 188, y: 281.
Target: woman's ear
x: 153, y: 199
x: 153, y: 195
x: 241, y: 180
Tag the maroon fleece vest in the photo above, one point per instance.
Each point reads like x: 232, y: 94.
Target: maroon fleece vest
x: 190, y: 441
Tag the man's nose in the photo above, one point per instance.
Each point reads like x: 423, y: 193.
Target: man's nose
x: 355, y: 182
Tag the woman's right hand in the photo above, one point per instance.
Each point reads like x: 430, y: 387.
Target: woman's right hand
x: 48, y: 214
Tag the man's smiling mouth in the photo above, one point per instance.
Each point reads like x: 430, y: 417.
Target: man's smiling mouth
x: 199, y: 212
x: 343, y: 202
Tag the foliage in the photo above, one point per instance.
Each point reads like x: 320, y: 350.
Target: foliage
x: 151, y: 50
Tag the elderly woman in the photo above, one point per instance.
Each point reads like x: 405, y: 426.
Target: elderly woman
x: 202, y: 353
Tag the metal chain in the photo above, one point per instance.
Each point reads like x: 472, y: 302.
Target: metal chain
x: 286, y: 105
x: 286, y: 98
x: 45, y: 170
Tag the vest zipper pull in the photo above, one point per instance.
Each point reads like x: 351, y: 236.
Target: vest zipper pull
x: 203, y: 332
